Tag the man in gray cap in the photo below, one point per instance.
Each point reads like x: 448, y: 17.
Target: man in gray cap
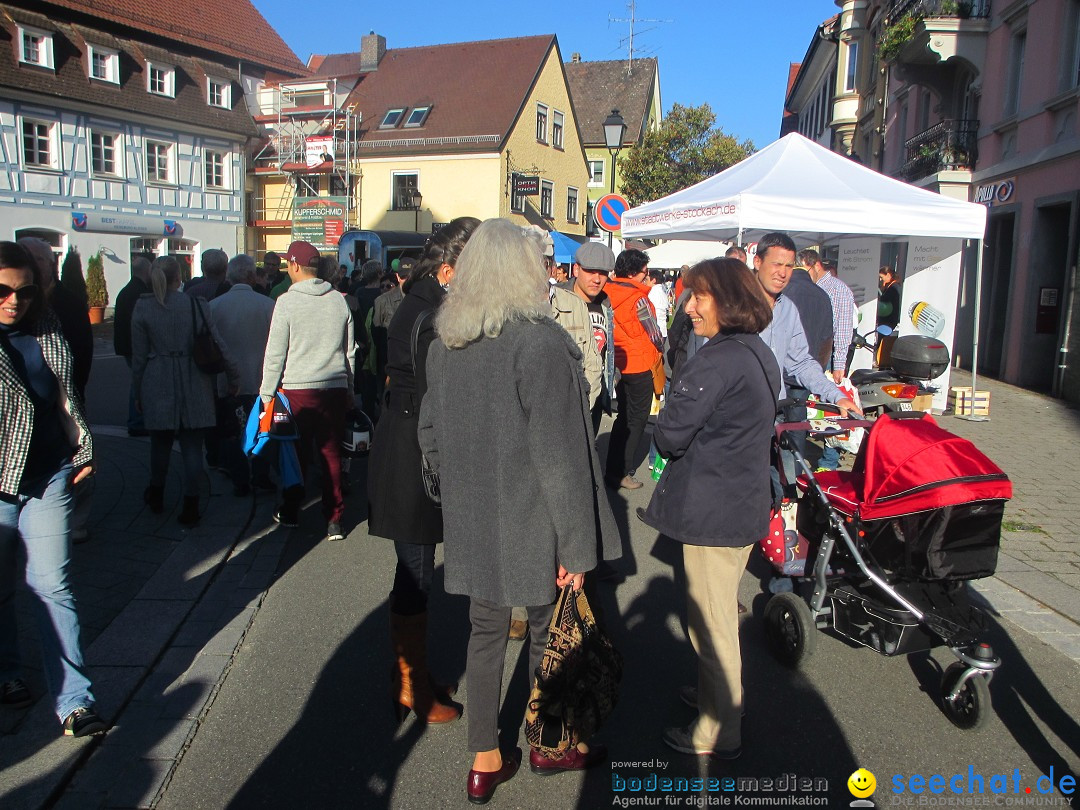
x: 593, y: 261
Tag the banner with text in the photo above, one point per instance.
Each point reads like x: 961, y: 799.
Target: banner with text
x: 319, y: 220
x: 857, y: 266
x: 929, y: 298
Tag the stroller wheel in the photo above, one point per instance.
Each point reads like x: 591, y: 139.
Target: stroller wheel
x: 971, y: 704
x: 789, y: 629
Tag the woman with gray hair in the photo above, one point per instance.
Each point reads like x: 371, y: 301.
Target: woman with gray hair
x: 506, y: 424
x: 175, y: 397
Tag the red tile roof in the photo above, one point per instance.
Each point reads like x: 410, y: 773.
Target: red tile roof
x: 475, y: 89
x: 600, y: 87
x: 231, y: 28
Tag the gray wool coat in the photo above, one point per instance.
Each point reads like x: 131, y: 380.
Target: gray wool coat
x: 506, y: 423
x: 173, y: 392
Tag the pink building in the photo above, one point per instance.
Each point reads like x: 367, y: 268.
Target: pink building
x: 978, y: 99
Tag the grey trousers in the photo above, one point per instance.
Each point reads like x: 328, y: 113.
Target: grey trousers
x: 484, y: 667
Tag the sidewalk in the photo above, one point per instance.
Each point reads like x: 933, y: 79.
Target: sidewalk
x: 1035, y: 439
x: 162, y: 610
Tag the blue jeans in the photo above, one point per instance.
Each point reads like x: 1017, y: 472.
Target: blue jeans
x: 41, y: 521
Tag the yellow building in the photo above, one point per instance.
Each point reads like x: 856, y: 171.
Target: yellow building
x: 414, y: 137
x: 632, y: 88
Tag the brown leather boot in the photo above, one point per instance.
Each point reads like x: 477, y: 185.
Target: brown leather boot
x: 411, y: 686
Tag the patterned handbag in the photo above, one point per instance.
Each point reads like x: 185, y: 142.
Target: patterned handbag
x: 577, y: 684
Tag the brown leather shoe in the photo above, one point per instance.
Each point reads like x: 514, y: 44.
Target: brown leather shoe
x: 629, y: 482
x: 518, y: 630
x: 575, y: 760
x: 481, y: 785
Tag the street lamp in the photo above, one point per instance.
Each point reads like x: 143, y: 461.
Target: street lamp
x: 614, y: 131
x: 416, y: 198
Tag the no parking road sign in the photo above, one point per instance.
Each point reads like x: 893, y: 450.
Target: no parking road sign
x: 609, y: 210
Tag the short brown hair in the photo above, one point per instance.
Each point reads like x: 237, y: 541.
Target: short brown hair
x: 741, y: 306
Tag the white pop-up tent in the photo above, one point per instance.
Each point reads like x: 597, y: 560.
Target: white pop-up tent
x: 801, y: 188
x: 674, y: 254
x: 815, y: 196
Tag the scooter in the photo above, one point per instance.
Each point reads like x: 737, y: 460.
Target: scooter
x: 914, y: 360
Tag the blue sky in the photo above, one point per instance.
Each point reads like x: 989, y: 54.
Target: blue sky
x: 733, y: 54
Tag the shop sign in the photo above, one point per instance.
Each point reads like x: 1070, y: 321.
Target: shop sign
x: 526, y: 185
x: 109, y: 222
x: 996, y: 193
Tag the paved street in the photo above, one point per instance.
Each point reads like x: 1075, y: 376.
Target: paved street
x: 246, y: 665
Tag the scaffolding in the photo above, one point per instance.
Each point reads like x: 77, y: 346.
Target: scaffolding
x: 297, y: 116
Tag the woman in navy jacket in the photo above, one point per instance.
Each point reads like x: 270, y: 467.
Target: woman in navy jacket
x: 714, y: 495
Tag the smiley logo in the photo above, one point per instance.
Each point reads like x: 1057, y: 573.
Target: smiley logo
x: 862, y: 783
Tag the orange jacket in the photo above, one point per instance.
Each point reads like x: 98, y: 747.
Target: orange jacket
x: 634, y: 348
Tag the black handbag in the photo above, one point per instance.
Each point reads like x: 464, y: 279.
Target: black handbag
x: 577, y: 684
x: 204, y: 350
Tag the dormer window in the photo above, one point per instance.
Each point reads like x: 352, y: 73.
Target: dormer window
x: 35, y: 47
x: 160, y: 79
x: 104, y: 64
x: 219, y: 93
x: 392, y: 118
x: 417, y: 117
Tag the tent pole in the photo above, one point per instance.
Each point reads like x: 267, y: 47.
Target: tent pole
x: 739, y: 241
x: 975, y: 336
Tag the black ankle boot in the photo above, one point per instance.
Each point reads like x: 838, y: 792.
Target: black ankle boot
x: 154, y: 497
x: 190, y: 514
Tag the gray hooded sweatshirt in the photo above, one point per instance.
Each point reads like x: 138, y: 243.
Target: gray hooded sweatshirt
x: 310, y: 342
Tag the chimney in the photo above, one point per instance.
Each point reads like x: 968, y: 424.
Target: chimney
x: 575, y: 58
x: 372, y: 50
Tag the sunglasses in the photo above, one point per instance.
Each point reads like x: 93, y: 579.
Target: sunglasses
x: 27, y: 292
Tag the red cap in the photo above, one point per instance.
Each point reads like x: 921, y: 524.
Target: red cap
x: 303, y: 253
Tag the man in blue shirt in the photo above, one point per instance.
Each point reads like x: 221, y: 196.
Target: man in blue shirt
x: 774, y: 263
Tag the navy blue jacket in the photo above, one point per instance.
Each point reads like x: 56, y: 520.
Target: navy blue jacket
x: 716, y: 430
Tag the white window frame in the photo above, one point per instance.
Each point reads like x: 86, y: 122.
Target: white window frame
x: 389, y: 120
x: 169, y: 74
x: 557, y: 128
x: 404, y: 206
x: 44, y: 56
x: 541, y: 126
x: 170, y: 163
x: 117, y: 153
x: 547, y: 200
x: 420, y: 115
x: 573, y: 196
x: 593, y: 183
x: 226, y: 92
x: 112, y: 64
x: 851, y: 72
x: 52, y: 162
x: 209, y: 155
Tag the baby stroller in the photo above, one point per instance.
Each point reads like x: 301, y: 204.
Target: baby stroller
x: 885, y: 551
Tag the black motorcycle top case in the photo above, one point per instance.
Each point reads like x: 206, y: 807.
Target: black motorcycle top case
x: 919, y: 357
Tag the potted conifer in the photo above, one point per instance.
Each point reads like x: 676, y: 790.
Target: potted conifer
x: 97, y: 294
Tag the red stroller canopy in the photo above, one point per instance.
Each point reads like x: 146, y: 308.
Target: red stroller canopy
x: 910, y: 464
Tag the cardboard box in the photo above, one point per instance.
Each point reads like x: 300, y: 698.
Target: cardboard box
x: 924, y: 402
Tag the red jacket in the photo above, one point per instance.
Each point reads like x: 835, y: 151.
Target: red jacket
x: 636, y: 333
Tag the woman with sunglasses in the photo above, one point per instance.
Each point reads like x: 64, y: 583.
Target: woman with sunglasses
x: 45, y: 447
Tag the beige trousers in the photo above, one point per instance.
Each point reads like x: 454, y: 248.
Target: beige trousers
x: 712, y: 588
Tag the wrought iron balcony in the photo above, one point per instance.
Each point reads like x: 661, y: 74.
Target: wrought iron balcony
x: 948, y: 145
x: 964, y: 9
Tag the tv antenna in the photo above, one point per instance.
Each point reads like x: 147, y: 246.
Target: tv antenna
x: 633, y: 20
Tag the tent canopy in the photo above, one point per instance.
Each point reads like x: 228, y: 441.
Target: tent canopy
x: 673, y: 255
x: 565, y: 247
x: 801, y: 188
